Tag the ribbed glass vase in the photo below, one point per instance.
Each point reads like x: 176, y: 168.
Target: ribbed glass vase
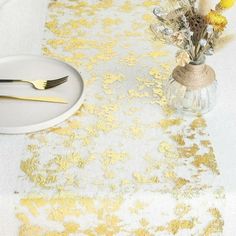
x: 192, y: 89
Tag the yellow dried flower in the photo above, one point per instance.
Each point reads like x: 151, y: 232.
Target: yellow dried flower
x: 217, y: 20
x: 225, y: 4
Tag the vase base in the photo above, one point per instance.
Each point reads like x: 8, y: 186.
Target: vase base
x: 190, y: 101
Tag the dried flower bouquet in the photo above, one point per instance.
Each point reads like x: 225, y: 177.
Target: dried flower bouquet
x: 195, y: 27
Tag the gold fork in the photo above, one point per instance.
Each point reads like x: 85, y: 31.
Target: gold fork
x: 39, y: 84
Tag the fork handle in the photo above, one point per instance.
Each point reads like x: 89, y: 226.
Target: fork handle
x: 9, y: 80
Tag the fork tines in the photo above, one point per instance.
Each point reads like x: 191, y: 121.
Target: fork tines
x: 53, y: 83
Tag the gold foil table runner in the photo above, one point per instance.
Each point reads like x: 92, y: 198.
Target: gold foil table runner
x: 125, y: 164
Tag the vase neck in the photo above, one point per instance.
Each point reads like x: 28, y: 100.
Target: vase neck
x: 200, y: 61
x: 194, y: 76
x: 195, y: 68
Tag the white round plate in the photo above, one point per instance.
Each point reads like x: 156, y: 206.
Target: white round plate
x: 17, y: 117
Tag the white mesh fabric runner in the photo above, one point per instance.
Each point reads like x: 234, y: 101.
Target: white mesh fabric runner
x: 125, y: 164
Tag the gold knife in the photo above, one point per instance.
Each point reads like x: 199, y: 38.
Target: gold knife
x: 36, y: 99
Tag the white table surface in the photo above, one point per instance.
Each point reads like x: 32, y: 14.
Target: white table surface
x: 21, y: 30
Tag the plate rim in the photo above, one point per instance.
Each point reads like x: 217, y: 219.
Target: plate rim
x: 51, y: 122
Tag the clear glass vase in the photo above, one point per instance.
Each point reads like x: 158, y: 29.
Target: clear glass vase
x: 192, y: 89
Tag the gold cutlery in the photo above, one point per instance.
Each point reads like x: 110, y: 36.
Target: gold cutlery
x: 36, y: 99
x: 39, y: 84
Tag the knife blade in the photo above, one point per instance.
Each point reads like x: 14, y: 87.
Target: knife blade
x: 35, y: 99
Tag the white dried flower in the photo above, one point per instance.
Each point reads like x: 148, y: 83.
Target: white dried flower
x: 209, y: 29
x: 159, y: 14
x: 203, y: 42
x: 205, y: 7
x: 157, y: 11
x: 167, y: 31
